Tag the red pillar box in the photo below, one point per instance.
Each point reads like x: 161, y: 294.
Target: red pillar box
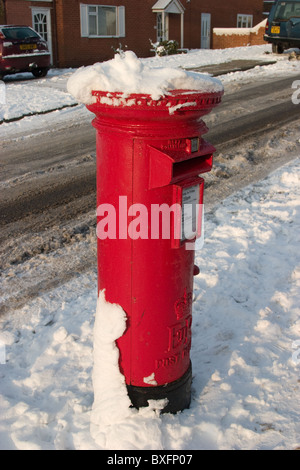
x: 150, y: 154
x: 149, y: 158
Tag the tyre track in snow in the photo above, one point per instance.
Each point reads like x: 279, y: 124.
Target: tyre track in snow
x: 48, y: 185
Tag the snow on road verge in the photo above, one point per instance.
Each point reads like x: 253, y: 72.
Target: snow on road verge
x: 29, y: 100
x: 245, y: 346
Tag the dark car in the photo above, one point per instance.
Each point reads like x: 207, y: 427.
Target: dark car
x: 283, y: 25
x: 23, y: 50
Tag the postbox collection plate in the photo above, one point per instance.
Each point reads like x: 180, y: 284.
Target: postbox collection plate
x: 189, y: 214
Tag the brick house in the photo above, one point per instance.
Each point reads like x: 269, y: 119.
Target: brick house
x: 81, y: 32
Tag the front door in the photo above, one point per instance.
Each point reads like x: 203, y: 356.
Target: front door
x: 205, y: 30
x: 41, y: 23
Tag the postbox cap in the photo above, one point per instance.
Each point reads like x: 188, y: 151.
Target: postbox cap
x: 127, y: 81
x: 176, y: 103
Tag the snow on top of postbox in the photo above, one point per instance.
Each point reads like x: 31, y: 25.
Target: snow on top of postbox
x: 127, y: 74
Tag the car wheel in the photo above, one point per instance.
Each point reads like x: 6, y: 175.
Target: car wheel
x: 277, y: 48
x: 38, y: 73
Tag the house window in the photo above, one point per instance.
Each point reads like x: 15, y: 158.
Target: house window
x: 244, y: 21
x: 101, y: 21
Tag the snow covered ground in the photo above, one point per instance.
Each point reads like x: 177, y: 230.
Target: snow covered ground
x: 246, y: 323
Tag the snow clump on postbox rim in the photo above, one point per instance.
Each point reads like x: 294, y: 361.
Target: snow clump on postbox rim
x: 127, y: 74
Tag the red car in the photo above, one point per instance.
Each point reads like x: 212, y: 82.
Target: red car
x: 23, y: 50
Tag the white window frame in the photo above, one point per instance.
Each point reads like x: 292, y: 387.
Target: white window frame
x: 244, y: 21
x: 84, y: 21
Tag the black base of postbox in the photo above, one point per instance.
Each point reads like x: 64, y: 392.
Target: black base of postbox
x: 177, y: 393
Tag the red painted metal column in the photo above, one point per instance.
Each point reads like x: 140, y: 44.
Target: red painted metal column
x: 149, y: 158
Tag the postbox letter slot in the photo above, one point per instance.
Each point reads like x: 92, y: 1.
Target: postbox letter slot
x: 192, y: 167
x: 169, y: 168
